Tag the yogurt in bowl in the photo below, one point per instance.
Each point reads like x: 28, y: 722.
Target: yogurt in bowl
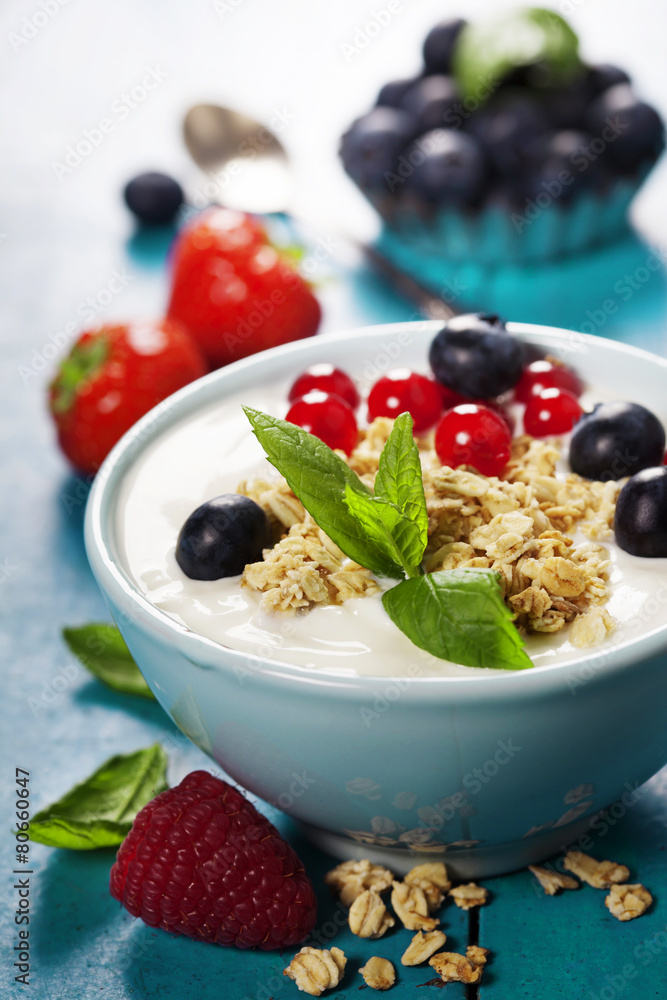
x: 395, y: 751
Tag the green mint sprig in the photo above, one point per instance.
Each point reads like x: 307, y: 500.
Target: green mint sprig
x: 458, y: 615
x: 99, y: 812
x: 533, y: 37
x: 102, y: 650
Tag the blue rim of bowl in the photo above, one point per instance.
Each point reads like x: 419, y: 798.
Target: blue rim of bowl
x: 123, y: 592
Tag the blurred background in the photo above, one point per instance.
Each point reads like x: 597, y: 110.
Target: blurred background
x: 310, y: 66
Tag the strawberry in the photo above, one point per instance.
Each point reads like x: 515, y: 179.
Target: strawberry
x: 200, y: 860
x: 234, y: 292
x: 111, y: 377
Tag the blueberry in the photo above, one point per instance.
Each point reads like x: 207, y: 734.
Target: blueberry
x: 450, y: 168
x: 616, y: 440
x: 154, y: 198
x: 221, y: 537
x: 562, y: 164
x: 475, y: 356
x: 640, y: 522
x: 506, y: 126
x: 602, y: 77
x: 432, y: 101
x: 634, y: 131
x: 565, y: 107
x: 392, y: 93
x: 439, y: 45
x: 371, y: 146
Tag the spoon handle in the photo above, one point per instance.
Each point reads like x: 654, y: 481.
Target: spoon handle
x: 429, y: 305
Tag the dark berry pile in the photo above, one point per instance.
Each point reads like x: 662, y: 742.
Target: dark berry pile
x: 426, y: 145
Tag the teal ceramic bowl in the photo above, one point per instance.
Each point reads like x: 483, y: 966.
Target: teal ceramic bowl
x: 489, y: 773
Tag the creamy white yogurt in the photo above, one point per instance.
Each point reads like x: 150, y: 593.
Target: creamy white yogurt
x: 208, y: 454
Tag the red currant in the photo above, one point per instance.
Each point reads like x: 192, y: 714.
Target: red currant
x: 402, y: 390
x: 540, y: 375
x: 493, y: 404
x: 554, y: 411
x: 471, y: 434
x: 328, y: 417
x: 328, y: 379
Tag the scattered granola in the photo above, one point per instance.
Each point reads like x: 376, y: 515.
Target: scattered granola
x: 551, y: 881
x: 368, y: 917
x: 518, y: 526
x: 467, y: 896
x: 455, y: 968
x: 378, y: 973
x: 477, y: 955
x: 411, y: 907
x: 422, y: 947
x: 432, y: 879
x: 599, y: 874
x: 349, y: 879
x: 315, y: 970
x: 628, y: 901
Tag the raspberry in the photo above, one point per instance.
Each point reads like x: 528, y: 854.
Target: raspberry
x: 200, y: 860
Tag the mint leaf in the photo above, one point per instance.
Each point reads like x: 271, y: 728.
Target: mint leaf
x: 486, y: 52
x: 399, y: 477
x: 319, y: 479
x: 102, y: 650
x: 99, y: 811
x: 458, y: 615
x: 392, y: 532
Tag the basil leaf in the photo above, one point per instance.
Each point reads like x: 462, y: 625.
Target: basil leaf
x: 458, y: 615
x: 319, y: 479
x: 102, y: 650
x: 99, y: 811
x: 392, y: 532
x: 399, y: 477
x: 486, y: 52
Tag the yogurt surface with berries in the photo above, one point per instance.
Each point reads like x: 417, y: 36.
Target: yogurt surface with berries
x: 208, y: 454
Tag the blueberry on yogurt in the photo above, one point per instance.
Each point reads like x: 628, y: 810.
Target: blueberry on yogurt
x: 640, y: 522
x: 475, y: 356
x: 221, y: 537
x: 616, y: 440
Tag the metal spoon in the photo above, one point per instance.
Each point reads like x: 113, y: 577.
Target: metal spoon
x: 248, y: 169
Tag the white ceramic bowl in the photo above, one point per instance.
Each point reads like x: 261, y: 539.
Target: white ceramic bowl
x: 491, y: 773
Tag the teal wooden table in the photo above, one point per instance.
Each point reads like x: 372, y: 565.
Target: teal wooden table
x: 68, y: 253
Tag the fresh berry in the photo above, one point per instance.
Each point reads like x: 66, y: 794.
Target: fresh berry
x: 497, y: 407
x: 473, y: 435
x: 328, y: 379
x: 439, y: 45
x: 602, y: 77
x: 451, y: 168
x: 543, y: 374
x: 153, y: 198
x: 372, y: 145
x: 431, y: 101
x: 221, y: 537
x: 476, y: 356
x: 554, y: 411
x: 328, y: 418
x: 111, y: 377
x: 637, y: 130
x: 403, y: 390
x: 506, y: 126
x: 557, y: 155
x: 616, y: 440
x: 200, y: 860
x: 392, y: 93
x: 640, y: 521
x: 234, y: 292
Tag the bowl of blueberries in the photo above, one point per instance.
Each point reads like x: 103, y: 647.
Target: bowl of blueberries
x: 506, y: 147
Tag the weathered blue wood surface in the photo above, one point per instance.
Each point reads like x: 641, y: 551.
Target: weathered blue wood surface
x: 60, y: 243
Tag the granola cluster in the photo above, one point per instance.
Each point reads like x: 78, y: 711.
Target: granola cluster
x: 517, y: 526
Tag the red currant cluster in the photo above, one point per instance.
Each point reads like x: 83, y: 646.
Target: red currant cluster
x: 467, y: 431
